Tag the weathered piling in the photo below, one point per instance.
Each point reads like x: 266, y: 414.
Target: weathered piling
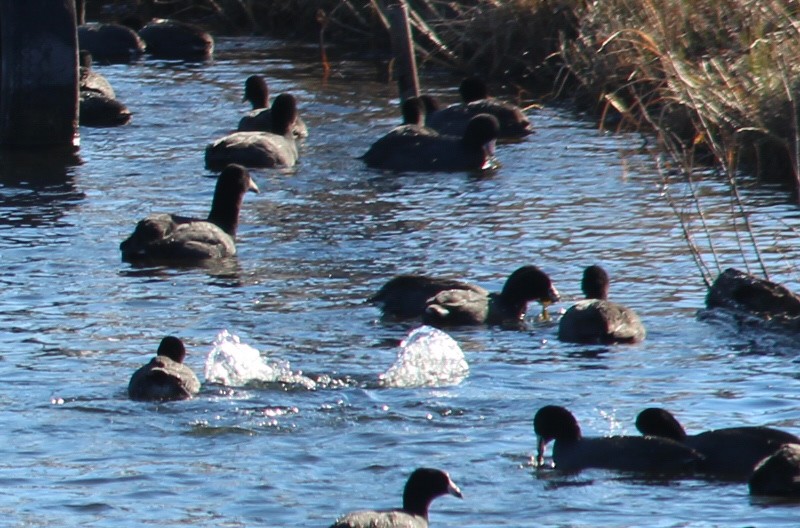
x: 39, y: 78
x: 403, y: 50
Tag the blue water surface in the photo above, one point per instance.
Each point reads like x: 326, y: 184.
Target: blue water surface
x: 313, y: 245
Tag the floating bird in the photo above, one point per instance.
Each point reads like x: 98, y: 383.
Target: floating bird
x: 730, y: 452
x: 596, y: 319
x: 260, y: 118
x: 475, y: 100
x: 778, y: 475
x: 429, y: 152
x: 424, y: 485
x: 409, y: 296
x: 110, y: 42
x: 467, y: 307
x: 573, y: 452
x: 165, y: 377
x: 173, y: 39
x: 260, y: 149
x: 173, y: 239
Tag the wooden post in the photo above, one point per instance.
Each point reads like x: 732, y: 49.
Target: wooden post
x: 403, y: 50
x: 39, y: 78
x: 80, y: 11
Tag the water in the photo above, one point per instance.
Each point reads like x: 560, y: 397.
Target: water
x: 317, y: 241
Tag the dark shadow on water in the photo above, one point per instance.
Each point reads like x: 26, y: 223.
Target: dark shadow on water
x: 555, y: 479
x: 226, y: 273
x: 757, y: 336
x: 36, y: 186
x: 766, y: 502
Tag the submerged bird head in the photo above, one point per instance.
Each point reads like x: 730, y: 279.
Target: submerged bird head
x: 553, y: 422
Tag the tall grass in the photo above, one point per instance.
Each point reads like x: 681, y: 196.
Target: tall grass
x: 711, y: 77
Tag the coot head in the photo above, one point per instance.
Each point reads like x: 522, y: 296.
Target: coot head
x: 256, y: 91
x: 654, y: 421
x: 284, y: 114
x: 529, y: 283
x: 413, y: 111
x: 85, y: 59
x: 481, y: 133
x: 473, y: 89
x: 595, y: 283
x: 553, y: 422
x: 424, y: 485
x: 173, y: 348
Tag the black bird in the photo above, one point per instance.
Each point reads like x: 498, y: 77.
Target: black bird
x: 475, y: 100
x: 596, y: 319
x: 424, y: 485
x: 110, y: 42
x: 99, y: 106
x: 432, y: 152
x: 260, y: 149
x: 173, y: 39
x: 778, y: 475
x: 731, y: 452
x: 573, y: 452
x: 260, y: 118
x: 410, y: 296
x: 467, y: 307
x: 172, y: 239
x: 165, y: 377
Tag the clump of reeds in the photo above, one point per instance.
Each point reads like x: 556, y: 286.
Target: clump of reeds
x: 713, y: 77
x: 716, y: 81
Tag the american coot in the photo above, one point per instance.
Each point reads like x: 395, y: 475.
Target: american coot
x: 90, y: 80
x: 165, y: 377
x: 573, y: 452
x: 747, y: 295
x: 596, y: 319
x: 110, y: 42
x: 424, y: 485
x: 260, y: 118
x: 406, y: 296
x: 98, y: 110
x: 98, y: 104
x: 731, y: 452
x: 413, y: 126
x: 469, y: 307
x: 778, y: 475
x: 475, y: 100
x: 172, y: 39
x: 429, y: 152
x: 168, y: 238
x: 260, y: 149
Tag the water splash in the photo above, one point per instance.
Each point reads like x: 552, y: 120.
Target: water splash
x: 427, y: 358
x: 233, y: 363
